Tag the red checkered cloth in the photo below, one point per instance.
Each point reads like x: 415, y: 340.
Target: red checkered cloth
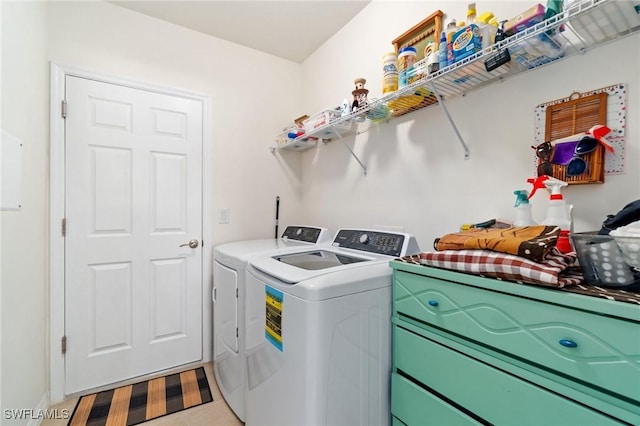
x: 554, y: 271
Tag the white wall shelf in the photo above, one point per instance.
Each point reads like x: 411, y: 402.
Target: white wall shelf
x: 582, y: 26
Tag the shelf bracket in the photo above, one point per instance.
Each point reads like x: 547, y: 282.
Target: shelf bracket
x: 337, y: 133
x: 467, y: 155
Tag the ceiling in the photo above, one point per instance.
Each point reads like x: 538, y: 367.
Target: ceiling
x: 290, y: 29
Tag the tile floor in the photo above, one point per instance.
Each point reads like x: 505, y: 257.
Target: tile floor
x: 216, y: 413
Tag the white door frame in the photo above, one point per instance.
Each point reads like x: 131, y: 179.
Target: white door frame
x: 58, y: 72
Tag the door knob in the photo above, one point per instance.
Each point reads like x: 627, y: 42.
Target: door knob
x: 192, y: 243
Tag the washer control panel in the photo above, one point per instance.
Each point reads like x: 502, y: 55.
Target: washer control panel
x: 386, y: 243
x: 306, y: 234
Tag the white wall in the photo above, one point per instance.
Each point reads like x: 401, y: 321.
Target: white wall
x: 417, y: 177
x: 252, y: 96
x: 24, y: 253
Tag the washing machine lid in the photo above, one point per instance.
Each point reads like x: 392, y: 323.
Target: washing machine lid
x: 352, y: 249
x: 236, y: 254
x: 318, y: 259
x: 239, y: 252
x: 301, y: 266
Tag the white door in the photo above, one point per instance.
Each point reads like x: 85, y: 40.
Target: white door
x: 133, y: 287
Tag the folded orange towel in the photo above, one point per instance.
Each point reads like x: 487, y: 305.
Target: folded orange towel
x: 531, y: 242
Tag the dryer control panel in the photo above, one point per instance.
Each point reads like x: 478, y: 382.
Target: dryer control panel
x: 307, y: 234
x: 387, y: 243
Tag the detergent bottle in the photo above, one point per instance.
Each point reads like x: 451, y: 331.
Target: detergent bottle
x: 523, y: 209
x: 558, y: 212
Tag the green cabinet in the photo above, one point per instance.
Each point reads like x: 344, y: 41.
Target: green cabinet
x: 471, y: 350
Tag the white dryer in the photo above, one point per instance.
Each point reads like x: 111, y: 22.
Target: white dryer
x: 229, y: 266
x: 319, y: 332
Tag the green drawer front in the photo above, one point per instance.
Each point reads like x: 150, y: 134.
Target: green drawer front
x: 396, y: 422
x: 490, y: 393
x: 415, y: 406
x: 607, y: 351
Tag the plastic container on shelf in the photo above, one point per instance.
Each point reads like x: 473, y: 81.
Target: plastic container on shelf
x: 466, y: 42
x: 431, y: 57
x: 324, y: 118
x: 417, y: 71
x: 389, y: 72
x: 442, y: 51
x: 406, y: 59
x: 538, y: 50
x: 450, y: 30
x: 524, y: 20
x: 288, y: 134
x: 487, y: 30
x: 602, y: 262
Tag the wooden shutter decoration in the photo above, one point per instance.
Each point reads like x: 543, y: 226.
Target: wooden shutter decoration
x: 576, y: 115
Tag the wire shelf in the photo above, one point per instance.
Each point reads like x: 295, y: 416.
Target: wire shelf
x: 584, y: 25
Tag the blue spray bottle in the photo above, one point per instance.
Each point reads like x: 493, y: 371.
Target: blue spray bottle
x: 442, y: 51
x: 523, y: 209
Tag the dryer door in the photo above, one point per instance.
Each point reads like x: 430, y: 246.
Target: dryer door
x: 225, y: 310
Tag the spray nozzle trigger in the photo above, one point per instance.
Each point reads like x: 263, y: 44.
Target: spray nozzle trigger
x: 537, y: 184
x: 522, y: 197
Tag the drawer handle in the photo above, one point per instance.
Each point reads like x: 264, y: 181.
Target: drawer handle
x: 568, y: 343
x: 433, y: 302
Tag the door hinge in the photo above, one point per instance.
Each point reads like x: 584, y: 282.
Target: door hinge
x: 237, y: 334
x: 64, y: 226
x: 64, y: 344
x: 63, y: 110
x: 236, y: 293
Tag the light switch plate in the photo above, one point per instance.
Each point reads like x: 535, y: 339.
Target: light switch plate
x: 223, y: 216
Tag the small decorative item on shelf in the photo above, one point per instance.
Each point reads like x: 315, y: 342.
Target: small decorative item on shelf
x: 359, y: 97
x: 359, y: 94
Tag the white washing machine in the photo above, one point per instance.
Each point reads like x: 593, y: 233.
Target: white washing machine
x: 229, y: 268
x: 319, y: 332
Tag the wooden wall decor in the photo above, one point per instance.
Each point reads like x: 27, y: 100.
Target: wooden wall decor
x: 562, y: 123
x: 577, y: 115
x: 425, y: 31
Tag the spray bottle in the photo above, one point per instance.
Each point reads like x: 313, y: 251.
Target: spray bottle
x: 523, y: 209
x: 558, y: 212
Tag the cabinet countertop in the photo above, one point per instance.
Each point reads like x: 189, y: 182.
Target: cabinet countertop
x: 563, y: 297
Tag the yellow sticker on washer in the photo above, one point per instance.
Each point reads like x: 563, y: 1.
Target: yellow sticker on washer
x: 273, y: 318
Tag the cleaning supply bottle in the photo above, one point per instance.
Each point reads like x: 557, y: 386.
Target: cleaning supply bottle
x: 557, y: 210
x: 487, y: 30
x: 442, y: 51
x: 559, y: 213
x: 431, y: 53
x: 500, y: 33
x: 523, y: 209
x: 471, y: 14
x: 451, y: 29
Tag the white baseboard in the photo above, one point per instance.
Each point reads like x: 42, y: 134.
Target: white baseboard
x: 43, y: 405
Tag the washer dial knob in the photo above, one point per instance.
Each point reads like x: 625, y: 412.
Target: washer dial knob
x: 364, y: 238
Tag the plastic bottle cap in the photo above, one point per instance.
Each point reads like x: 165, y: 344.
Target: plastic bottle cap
x: 485, y: 17
x: 409, y: 50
